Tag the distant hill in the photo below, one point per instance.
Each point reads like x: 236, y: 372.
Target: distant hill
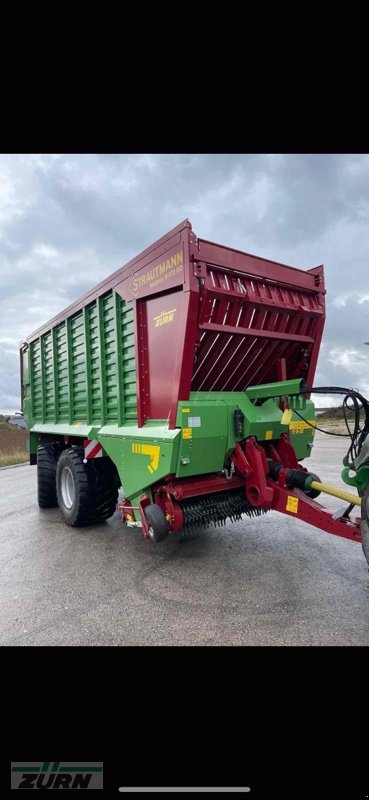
x: 335, y: 413
x: 13, y: 444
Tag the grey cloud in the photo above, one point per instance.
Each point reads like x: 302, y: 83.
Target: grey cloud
x: 9, y: 380
x: 67, y: 221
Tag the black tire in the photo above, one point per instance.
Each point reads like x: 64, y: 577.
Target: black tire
x: 47, y: 458
x: 158, y: 525
x: 87, y: 493
x: 107, y: 488
x: 364, y: 528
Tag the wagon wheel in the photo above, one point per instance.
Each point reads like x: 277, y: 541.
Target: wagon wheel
x: 158, y: 525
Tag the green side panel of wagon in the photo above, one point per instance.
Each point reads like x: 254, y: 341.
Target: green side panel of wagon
x: 83, y: 372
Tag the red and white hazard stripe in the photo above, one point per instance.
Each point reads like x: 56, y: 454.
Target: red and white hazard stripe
x: 93, y: 448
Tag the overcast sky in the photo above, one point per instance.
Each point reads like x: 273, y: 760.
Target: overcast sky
x: 68, y: 221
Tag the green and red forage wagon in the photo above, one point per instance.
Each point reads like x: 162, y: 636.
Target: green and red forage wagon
x: 185, y: 377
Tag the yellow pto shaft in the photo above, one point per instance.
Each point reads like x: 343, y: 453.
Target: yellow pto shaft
x: 324, y: 487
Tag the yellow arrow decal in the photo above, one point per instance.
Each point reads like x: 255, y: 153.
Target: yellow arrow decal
x: 152, y: 450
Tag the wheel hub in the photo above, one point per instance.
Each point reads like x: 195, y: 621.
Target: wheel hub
x: 68, y: 489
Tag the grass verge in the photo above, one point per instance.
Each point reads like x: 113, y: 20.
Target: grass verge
x: 16, y: 458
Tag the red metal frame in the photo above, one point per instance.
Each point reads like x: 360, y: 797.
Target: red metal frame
x: 251, y: 461
x: 275, y: 321
x: 183, y: 489
x: 315, y: 514
x: 128, y: 513
x: 252, y: 469
x: 239, y: 320
x: 140, y: 326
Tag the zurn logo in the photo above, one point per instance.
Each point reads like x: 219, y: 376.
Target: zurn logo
x: 56, y: 775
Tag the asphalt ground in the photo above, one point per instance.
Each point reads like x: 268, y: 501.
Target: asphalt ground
x: 264, y: 581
